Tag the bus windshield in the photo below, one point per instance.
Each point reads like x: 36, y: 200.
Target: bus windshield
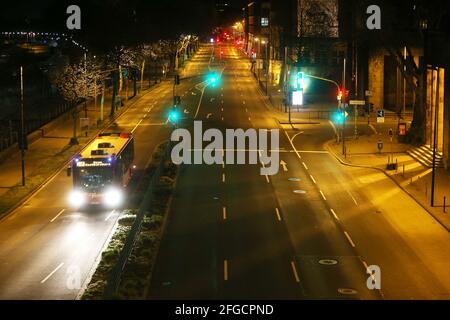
x: 94, y: 179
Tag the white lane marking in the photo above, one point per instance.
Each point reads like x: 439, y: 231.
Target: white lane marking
x: 221, y: 109
x: 334, y: 214
x: 294, y: 270
x: 225, y: 270
x: 296, y: 135
x: 349, y: 239
x: 59, y: 213
x: 323, y: 196
x: 134, y: 129
x: 110, y: 215
x: 262, y: 163
x: 278, y: 214
x: 222, y: 118
x: 373, y: 128
x: 284, y: 165
x: 249, y: 119
x: 246, y: 110
x: 224, y: 213
x: 223, y: 177
x: 199, y: 102
x: 208, y: 115
x: 353, y: 198
x: 312, y: 178
x: 292, y: 145
x: 304, y: 164
x: 52, y: 273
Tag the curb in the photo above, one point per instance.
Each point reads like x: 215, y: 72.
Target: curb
x: 338, y: 158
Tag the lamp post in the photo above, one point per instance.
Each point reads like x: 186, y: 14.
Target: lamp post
x: 22, y: 128
x: 345, y: 94
x: 266, y: 65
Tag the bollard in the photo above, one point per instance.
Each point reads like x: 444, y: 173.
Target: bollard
x: 403, y: 170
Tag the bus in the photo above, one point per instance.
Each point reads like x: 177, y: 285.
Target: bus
x: 102, y: 171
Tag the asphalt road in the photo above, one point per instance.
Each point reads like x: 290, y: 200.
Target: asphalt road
x: 47, y: 250
x: 308, y: 232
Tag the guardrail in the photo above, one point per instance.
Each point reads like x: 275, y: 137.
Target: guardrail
x: 113, y: 282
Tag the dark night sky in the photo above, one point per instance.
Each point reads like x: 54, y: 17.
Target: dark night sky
x: 111, y: 22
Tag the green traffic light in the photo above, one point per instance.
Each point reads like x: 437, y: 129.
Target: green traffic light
x: 174, y: 115
x: 213, y: 79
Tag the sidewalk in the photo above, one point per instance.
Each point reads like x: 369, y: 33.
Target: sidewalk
x: 411, y: 176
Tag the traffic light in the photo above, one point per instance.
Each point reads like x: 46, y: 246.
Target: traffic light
x: 339, y: 95
x: 213, y: 79
x: 338, y: 117
x: 300, y: 80
x: 174, y: 115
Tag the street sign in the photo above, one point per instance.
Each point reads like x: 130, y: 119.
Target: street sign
x: 346, y: 114
x: 380, y: 116
x: 297, y: 98
x: 357, y: 102
x: 380, y: 113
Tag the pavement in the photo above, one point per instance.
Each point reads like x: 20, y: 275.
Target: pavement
x: 47, y: 249
x: 410, y: 175
x: 309, y: 232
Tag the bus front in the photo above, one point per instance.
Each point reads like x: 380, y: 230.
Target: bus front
x: 93, y: 180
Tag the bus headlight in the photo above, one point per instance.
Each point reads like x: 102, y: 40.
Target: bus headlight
x: 113, y: 197
x: 77, y: 198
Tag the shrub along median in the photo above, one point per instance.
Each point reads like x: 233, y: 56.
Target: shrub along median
x: 135, y: 276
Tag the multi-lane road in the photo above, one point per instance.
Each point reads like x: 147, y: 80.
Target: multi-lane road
x: 309, y: 232
x: 48, y: 249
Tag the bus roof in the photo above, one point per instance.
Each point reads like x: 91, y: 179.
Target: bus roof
x: 105, y: 145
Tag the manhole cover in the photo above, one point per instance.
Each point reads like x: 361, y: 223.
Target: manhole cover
x: 328, y: 262
x: 299, y: 191
x: 294, y: 179
x: 347, y: 291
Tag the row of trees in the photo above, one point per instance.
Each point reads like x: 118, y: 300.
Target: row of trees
x: 86, y: 78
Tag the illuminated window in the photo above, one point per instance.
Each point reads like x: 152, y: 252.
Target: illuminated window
x: 264, y: 22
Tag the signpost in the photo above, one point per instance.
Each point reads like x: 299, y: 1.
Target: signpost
x: 356, y: 103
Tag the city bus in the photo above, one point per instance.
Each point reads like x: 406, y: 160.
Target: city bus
x: 102, y: 171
